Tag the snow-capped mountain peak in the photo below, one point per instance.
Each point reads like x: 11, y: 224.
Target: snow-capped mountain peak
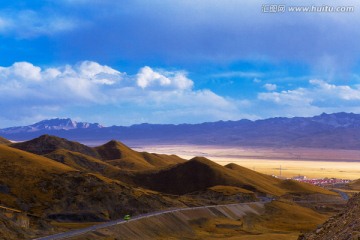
x: 53, y: 124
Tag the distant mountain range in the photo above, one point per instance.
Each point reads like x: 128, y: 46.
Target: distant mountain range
x: 52, y: 125
x: 337, y: 130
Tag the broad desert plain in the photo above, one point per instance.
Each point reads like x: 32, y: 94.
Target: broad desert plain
x: 287, y: 162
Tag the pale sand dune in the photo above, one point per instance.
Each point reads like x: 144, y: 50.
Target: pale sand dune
x: 314, y: 163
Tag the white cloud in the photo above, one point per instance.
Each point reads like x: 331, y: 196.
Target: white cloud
x: 80, y: 82
x: 290, y: 97
x: 343, y: 92
x: 21, y: 71
x: 320, y: 95
x: 270, y: 86
x: 98, y: 73
x: 147, y: 77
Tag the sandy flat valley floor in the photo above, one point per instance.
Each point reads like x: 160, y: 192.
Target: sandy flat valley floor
x: 313, y: 163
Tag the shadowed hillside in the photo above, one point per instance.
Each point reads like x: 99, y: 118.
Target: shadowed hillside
x: 83, y: 162
x: 118, y: 154
x: 200, y: 173
x: 47, y: 144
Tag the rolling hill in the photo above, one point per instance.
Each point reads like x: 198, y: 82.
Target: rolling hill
x: 64, y: 181
x: 47, y: 188
x: 118, y: 154
x: 46, y: 144
x: 164, y: 173
x: 83, y: 162
x: 112, y: 154
x: 200, y: 173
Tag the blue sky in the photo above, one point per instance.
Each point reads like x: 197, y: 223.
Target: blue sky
x: 161, y: 61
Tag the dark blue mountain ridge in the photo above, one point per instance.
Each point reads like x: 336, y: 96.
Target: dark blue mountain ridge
x: 336, y: 130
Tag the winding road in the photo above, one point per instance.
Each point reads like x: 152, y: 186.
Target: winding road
x: 342, y: 194
x: 77, y: 232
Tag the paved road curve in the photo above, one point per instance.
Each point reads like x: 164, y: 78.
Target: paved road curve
x: 342, y: 194
x: 121, y: 221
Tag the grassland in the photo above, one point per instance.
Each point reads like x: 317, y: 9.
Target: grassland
x: 56, y: 179
x: 311, y: 162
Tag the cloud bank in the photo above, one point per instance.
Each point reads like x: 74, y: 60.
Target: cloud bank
x: 320, y: 96
x: 152, y: 95
x: 90, y: 91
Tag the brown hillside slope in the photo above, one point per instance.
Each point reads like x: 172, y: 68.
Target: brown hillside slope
x: 4, y: 141
x: 282, y: 220
x: 124, y: 157
x: 46, y: 144
x: 200, y: 173
x: 253, y: 178
x: 83, y: 162
x: 355, y: 185
x: 343, y: 226
x: 42, y: 186
x: 292, y: 186
x: 89, y: 164
x: 289, y: 186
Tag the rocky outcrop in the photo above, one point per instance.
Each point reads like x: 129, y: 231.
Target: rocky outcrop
x: 343, y: 226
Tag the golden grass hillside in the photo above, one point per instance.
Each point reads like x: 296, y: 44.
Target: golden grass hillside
x: 120, y: 155
x: 200, y: 173
x: 288, y: 216
x: 83, y: 162
x: 46, y: 144
x: 292, y: 186
x: 44, y: 187
x: 262, y: 182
